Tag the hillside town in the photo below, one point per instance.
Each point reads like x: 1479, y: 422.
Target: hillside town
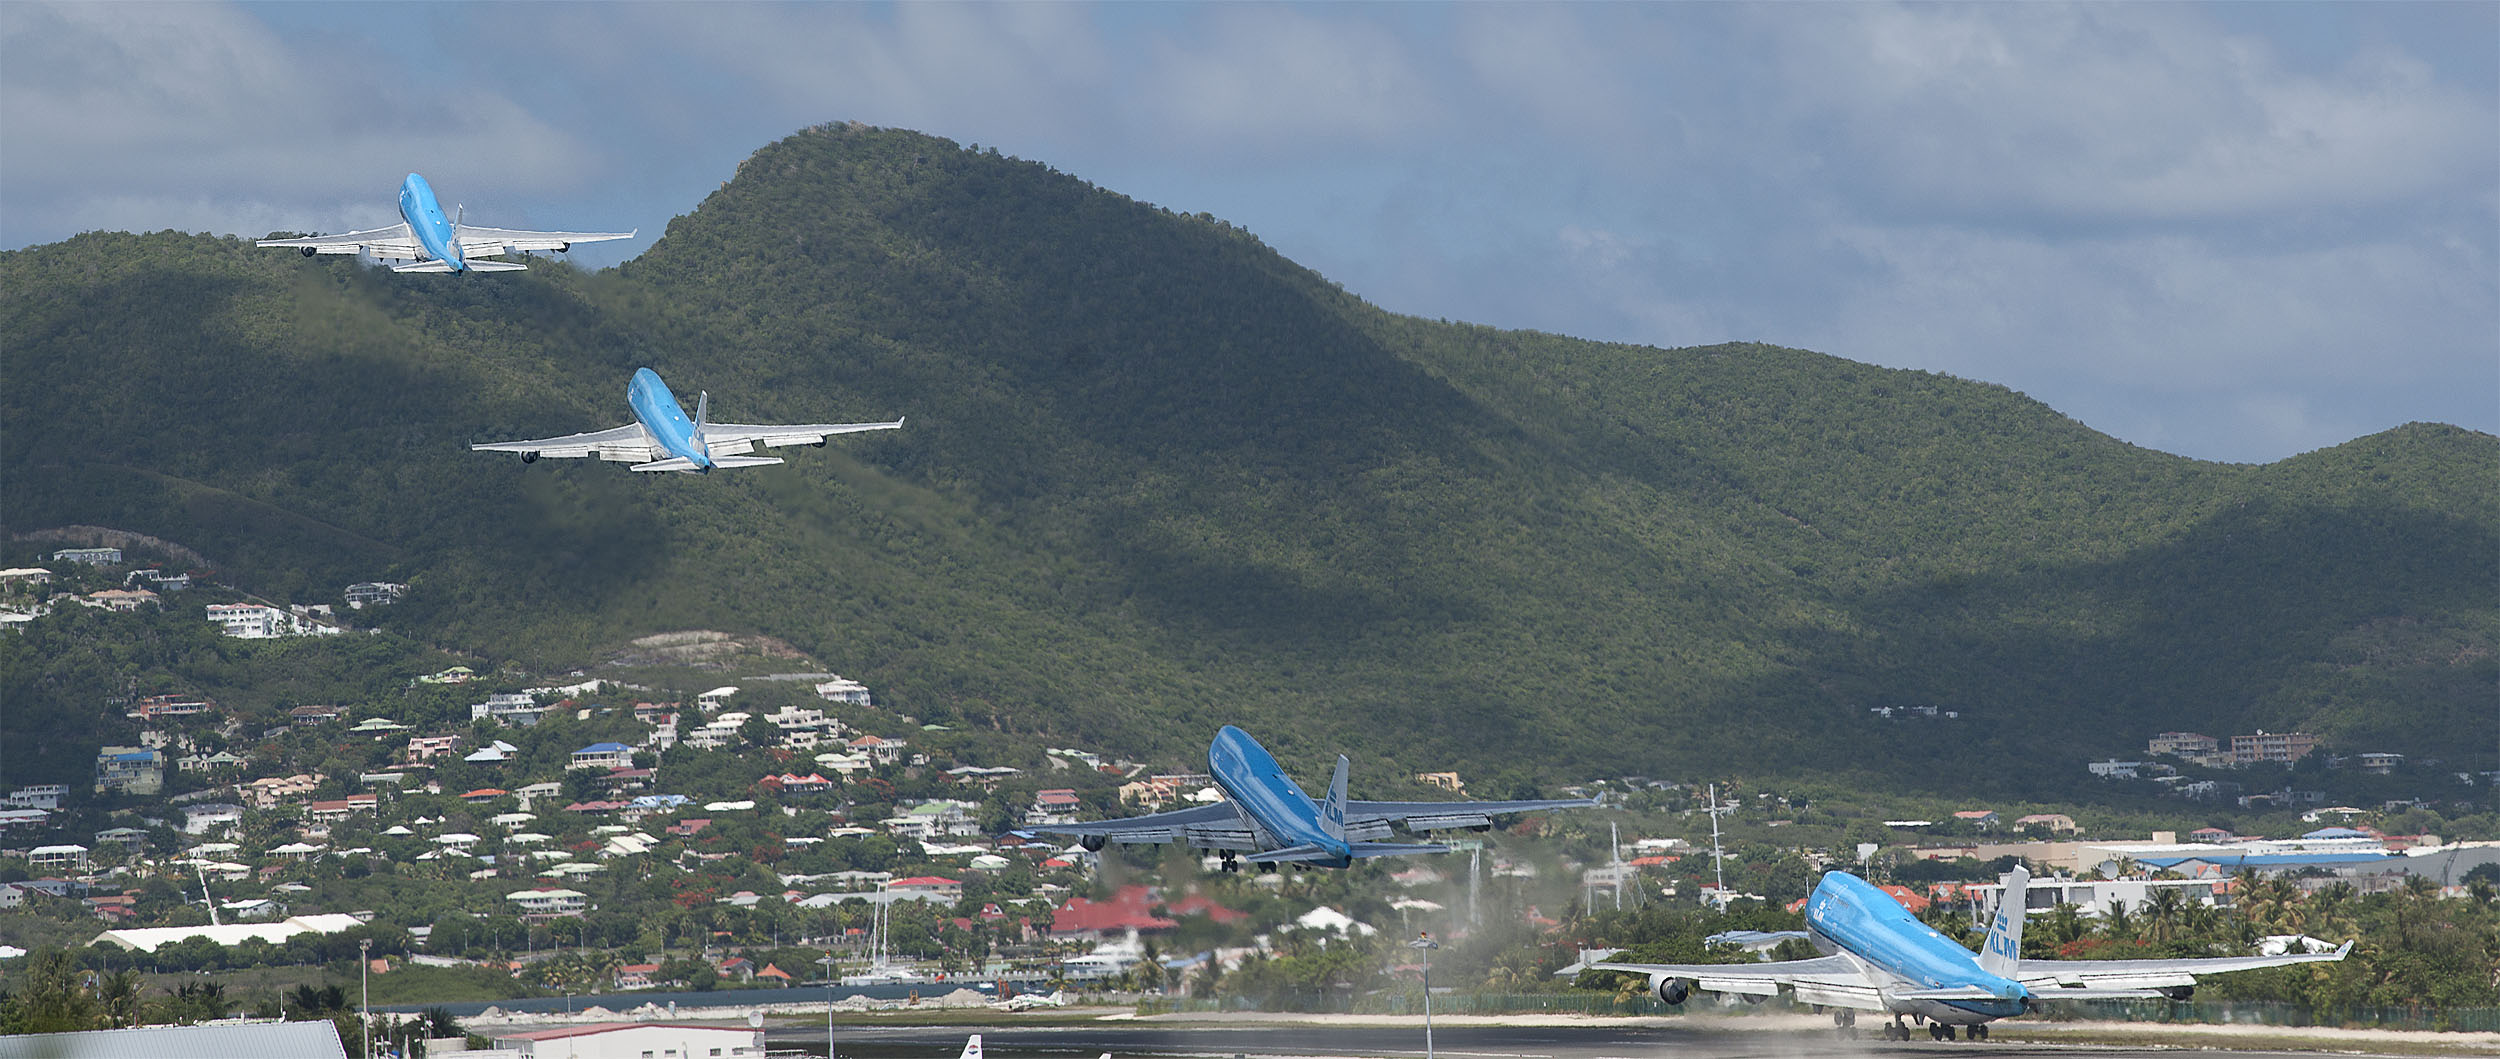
x: 592, y: 834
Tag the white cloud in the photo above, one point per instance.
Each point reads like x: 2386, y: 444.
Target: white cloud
x: 1270, y: 81
x: 2116, y: 111
x: 112, y: 109
x: 2232, y: 353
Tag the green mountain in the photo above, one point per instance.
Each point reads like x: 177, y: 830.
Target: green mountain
x: 1156, y: 478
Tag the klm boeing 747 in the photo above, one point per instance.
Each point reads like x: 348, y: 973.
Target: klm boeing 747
x: 1268, y: 817
x: 661, y: 438
x: 431, y: 242
x: 1882, y: 959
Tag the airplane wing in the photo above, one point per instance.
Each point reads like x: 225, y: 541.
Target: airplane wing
x: 2098, y: 979
x: 626, y: 444
x: 490, y: 241
x: 1832, y: 981
x: 1217, y: 826
x: 395, y: 243
x: 733, y: 438
x: 1435, y: 816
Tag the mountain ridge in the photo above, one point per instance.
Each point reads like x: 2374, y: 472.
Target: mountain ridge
x: 1156, y: 477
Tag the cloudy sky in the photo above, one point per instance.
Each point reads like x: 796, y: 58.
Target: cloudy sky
x: 2234, y: 232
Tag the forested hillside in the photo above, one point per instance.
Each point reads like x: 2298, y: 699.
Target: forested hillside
x: 1156, y: 478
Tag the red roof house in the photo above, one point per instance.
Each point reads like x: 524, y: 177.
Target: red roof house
x: 1127, y: 910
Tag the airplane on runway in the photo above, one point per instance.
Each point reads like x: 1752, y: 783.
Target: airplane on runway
x: 431, y: 242
x: 661, y: 438
x: 1266, y: 816
x: 1881, y: 959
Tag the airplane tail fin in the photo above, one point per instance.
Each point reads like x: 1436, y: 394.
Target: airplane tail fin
x: 1332, y: 811
x: 972, y: 1048
x: 702, y: 415
x: 2003, y: 953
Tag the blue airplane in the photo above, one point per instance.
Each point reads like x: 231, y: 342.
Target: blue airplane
x: 431, y: 242
x: 1882, y: 959
x: 1268, y: 817
x: 661, y: 438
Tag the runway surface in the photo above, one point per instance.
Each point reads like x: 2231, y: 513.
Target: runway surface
x: 1267, y: 1041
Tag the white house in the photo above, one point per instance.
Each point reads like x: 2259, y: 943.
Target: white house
x: 844, y: 689
x: 603, y: 756
x: 373, y: 593
x: 57, y: 858
x: 39, y: 796
x: 549, y: 902
x: 512, y: 708
x: 250, y: 621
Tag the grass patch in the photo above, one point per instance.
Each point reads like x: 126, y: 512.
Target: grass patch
x: 445, y: 985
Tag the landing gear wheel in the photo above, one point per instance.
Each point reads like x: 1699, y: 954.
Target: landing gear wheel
x: 1977, y: 1033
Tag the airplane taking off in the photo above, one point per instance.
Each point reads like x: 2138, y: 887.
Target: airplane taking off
x: 1269, y: 818
x: 431, y: 242
x: 1882, y: 959
x: 661, y: 438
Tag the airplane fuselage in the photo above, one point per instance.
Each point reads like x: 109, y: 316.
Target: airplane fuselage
x: 1257, y: 784
x: 426, y: 221
x: 1849, y: 916
x: 660, y: 414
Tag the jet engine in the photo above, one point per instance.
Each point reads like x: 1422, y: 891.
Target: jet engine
x: 309, y: 251
x: 1674, y: 990
x: 2178, y: 992
x: 1093, y: 843
x: 529, y: 457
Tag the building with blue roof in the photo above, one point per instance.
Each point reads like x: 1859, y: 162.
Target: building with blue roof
x: 130, y: 770
x: 603, y: 756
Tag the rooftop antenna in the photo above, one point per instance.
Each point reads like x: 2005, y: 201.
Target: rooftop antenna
x: 1718, y: 867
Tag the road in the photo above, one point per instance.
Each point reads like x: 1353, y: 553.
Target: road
x: 1268, y: 1041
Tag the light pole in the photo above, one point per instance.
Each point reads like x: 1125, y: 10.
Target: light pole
x: 364, y: 987
x: 1423, y: 943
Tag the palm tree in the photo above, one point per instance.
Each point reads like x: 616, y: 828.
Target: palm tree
x: 2330, y: 911
x: 2065, y: 923
x: 2114, y: 921
x: 2271, y: 905
x: 119, y: 993
x: 2162, y: 914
